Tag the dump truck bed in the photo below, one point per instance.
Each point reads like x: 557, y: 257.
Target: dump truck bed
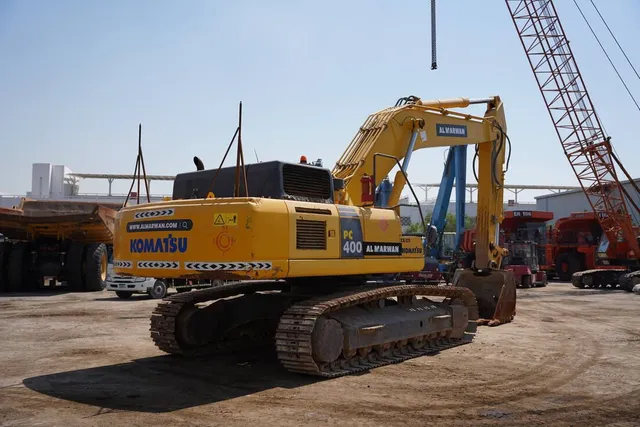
x: 87, y: 222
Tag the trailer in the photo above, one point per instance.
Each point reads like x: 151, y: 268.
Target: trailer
x: 56, y: 244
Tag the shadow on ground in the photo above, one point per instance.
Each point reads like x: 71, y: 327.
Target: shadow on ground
x: 167, y: 383
x: 531, y: 293
x: 45, y: 292
x: 134, y: 298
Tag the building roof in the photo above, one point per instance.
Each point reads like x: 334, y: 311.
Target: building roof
x: 564, y: 193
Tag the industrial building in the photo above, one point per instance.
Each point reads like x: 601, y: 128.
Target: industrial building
x: 58, y: 182
x: 564, y: 203
x: 48, y: 181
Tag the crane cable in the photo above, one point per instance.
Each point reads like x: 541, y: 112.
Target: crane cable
x: 607, y: 55
x: 613, y: 151
x: 434, y: 63
x: 614, y: 38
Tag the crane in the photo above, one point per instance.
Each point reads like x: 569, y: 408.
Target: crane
x: 581, y: 135
x: 309, y: 247
x: 583, y: 139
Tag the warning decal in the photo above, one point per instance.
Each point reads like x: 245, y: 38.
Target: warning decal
x: 229, y: 219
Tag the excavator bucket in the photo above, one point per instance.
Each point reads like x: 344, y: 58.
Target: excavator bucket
x: 495, y: 292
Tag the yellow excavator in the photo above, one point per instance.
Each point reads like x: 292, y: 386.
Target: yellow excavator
x: 314, y: 256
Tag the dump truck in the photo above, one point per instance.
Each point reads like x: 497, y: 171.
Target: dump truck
x: 56, y: 244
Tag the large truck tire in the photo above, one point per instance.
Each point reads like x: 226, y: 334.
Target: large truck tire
x: 96, y: 260
x: 567, y: 263
x: 74, y: 266
x: 19, y: 274
x: 5, y: 252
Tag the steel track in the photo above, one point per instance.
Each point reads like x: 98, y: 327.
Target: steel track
x: 164, y: 317
x: 599, y: 278
x: 629, y: 280
x: 293, y: 337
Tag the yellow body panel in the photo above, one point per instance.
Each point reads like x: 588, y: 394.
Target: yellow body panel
x: 256, y: 238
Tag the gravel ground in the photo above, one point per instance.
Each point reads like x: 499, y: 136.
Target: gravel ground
x: 571, y: 357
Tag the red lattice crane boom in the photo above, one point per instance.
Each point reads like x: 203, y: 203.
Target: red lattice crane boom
x: 581, y: 134
x: 583, y: 139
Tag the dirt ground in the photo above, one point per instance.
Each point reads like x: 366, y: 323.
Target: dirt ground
x: 571, y: 357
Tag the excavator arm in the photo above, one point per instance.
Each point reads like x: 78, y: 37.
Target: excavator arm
x: 392, y: 135
x: 413, y: 124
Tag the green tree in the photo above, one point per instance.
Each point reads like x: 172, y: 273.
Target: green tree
x: 450, y: 226
x: 469, y: 222
x: 417, y: 227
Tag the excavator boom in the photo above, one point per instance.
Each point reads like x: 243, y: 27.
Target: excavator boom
x: 393, y: 134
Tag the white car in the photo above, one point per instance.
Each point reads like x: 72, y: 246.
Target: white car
x: 126, y: 286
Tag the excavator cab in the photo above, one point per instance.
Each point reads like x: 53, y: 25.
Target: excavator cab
x: 524, y: 253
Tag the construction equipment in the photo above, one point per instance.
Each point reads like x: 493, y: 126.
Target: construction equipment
x: 573, y: 244
x: 583, y: 140
x: 436, y: 268
x: 50, y: 243
x: 315, y: 252
x: 523, y: 234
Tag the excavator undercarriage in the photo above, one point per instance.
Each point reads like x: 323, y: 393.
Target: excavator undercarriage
x: 327, y: 335
x: 610, y: 278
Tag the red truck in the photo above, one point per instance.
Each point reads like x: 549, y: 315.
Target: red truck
x: 573, y: 243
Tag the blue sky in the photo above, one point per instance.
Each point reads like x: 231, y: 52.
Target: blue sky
x: 78, y: 76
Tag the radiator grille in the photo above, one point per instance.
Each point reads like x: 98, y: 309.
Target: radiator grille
x: 306, y: 182
x: 312, y: 211
x: 311, y: 234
